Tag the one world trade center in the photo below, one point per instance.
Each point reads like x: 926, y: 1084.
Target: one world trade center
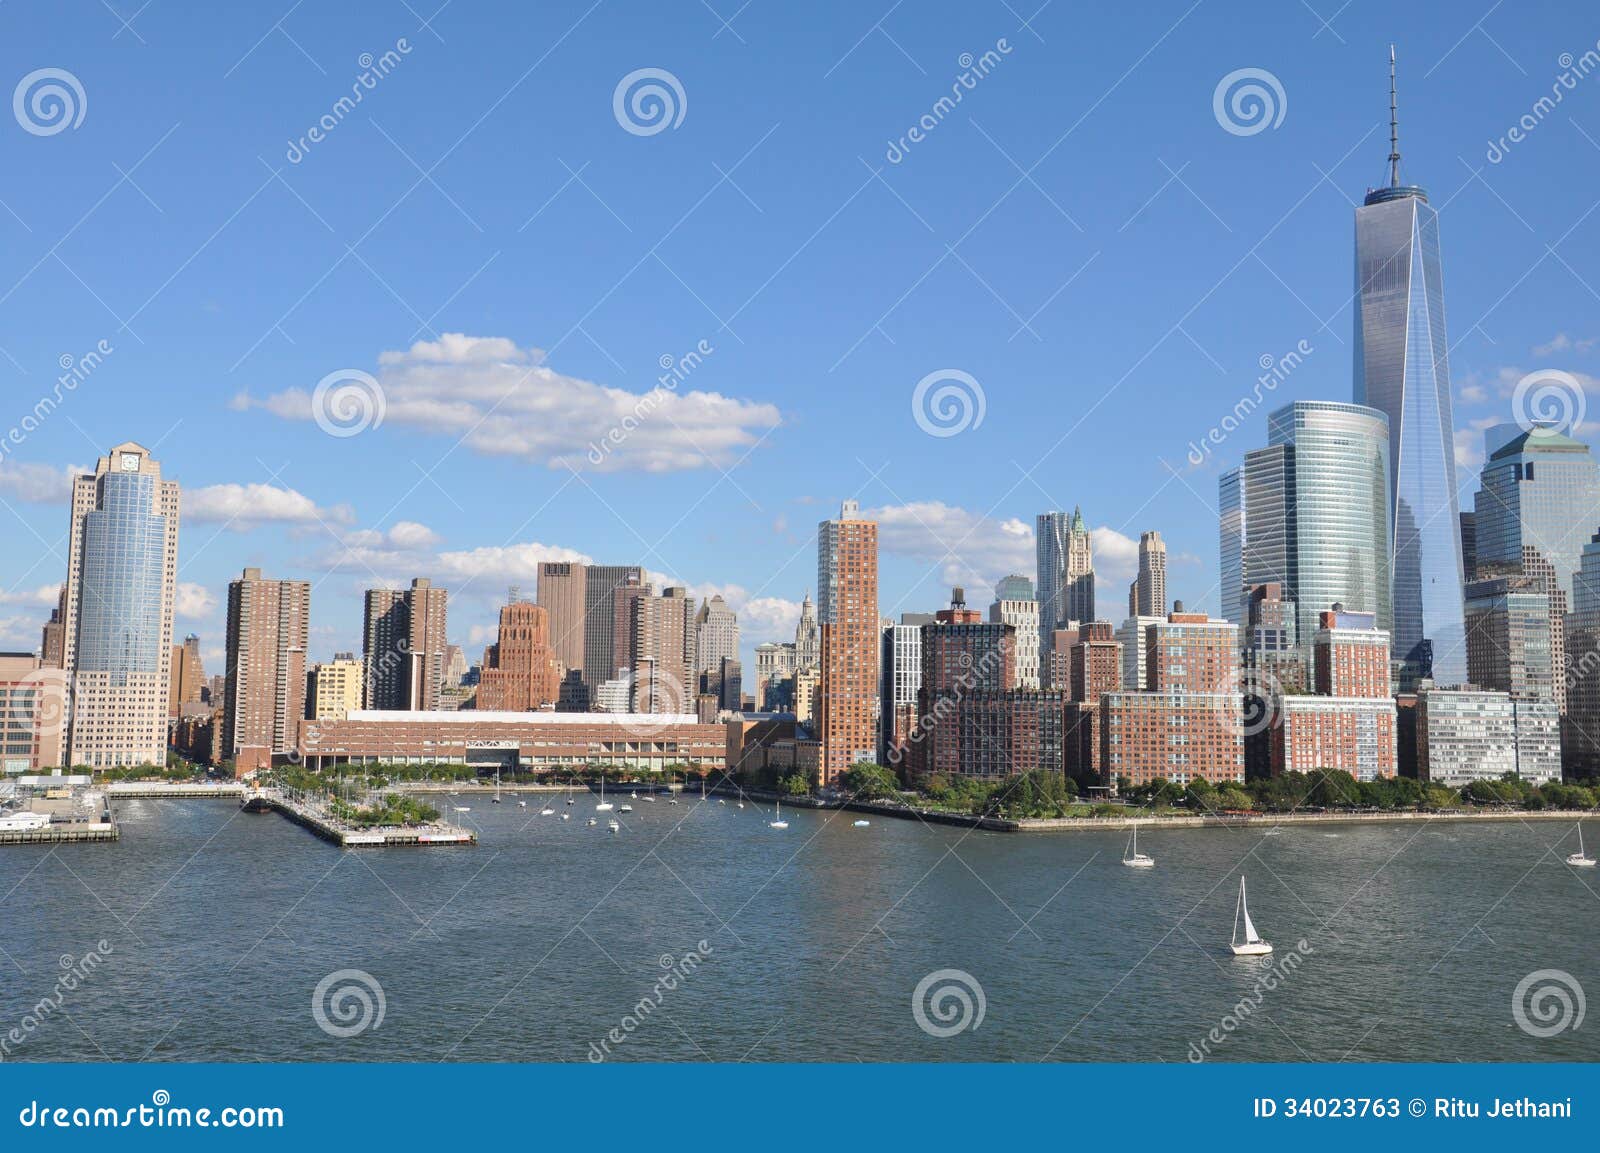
x: 1402, y: 368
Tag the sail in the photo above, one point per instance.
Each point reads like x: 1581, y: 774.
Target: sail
x: 1250, y: 934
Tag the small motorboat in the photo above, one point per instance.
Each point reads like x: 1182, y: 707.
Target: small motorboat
x: 462, y: 809
x: 624, y: 808
x: 522, y: 804
x: 861, y: 824
x: 613, y: 826
x: 566, y: 816
x: 548, y: 812
x: 593, y: 821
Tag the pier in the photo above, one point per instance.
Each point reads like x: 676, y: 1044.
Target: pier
x: 172, y: 790
x: 324, y: 824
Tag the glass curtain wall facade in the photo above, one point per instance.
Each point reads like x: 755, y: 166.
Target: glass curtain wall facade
x: 1402, y: 369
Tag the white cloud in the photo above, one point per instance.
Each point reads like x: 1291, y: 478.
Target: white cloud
x: 1561, y: 342
x: 504, y: 564
x: 38, y: 483
x: 45, y: 595
x: 243, y: 506
x: 504, y: 401
x: 194, y: 601
x: 410, y: 534
x: 971, y: 549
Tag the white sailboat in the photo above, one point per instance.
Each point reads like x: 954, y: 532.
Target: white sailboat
x: 1252, y: 945
x: 778, y: 822
x: 1580, y: 860
x: 1132, y: 857
x: 604, y: 806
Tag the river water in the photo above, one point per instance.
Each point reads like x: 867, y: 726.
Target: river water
x: 540, y: 943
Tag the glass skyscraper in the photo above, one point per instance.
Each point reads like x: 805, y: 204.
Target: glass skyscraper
x: 1231, y: 514
x: 1539, y: 497
x: 1402, y: 369
x: 1314, y: 505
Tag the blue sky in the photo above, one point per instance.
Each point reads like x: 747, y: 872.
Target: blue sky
x: 482, y: 236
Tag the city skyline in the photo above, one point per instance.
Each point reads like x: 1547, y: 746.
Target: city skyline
x: 339, y: 512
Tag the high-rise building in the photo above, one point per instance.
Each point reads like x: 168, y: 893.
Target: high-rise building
x: 404, y: 641
x: 122, y: 573
x: 724, y: 684
x: 1351, y: 657
x: 716, y: 634
x: 1402, y: 368
x: 33, y: 714
x: 187, y: 683
x: 268, y: 625
x: 519, y: 670
x: 1094, y: 669
x: 1014, y: 587
x: 663, y: 649
x: 562, y: 587
x: 1022, y: 615
x: 1509, y: 637
x: 1350, y: 722
x: 600, y: 622
x: 1064, y: 563
x: 1133, y: 635
x: 1314, y: 510
x: 1538, y: 504
x: 335, y: 687
x: 53, y: 641
x: 1230, y: 504
x: 807, y: 637
x: 901, y: 678
x: 1579, y: 676
x: 456, y: 666
x: 847, y: 613
x: 624, y: 596
x: 1467, y: 734
x: 1149, y: 593
x: 1189, y: 724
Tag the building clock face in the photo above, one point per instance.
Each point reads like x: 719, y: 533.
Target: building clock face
x: 130, y: 462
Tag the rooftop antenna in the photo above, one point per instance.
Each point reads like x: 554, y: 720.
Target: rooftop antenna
x: 1394, y: 128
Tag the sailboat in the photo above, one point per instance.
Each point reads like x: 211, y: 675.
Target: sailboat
x: 778, y: 822
x: 1132, y: 857
x: 1580, y: 860
x: 604, y: 806
x: 496, y: 798
x: 1252, y: 945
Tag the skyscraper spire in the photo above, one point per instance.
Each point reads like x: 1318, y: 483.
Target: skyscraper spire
x: 1394, y: 128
